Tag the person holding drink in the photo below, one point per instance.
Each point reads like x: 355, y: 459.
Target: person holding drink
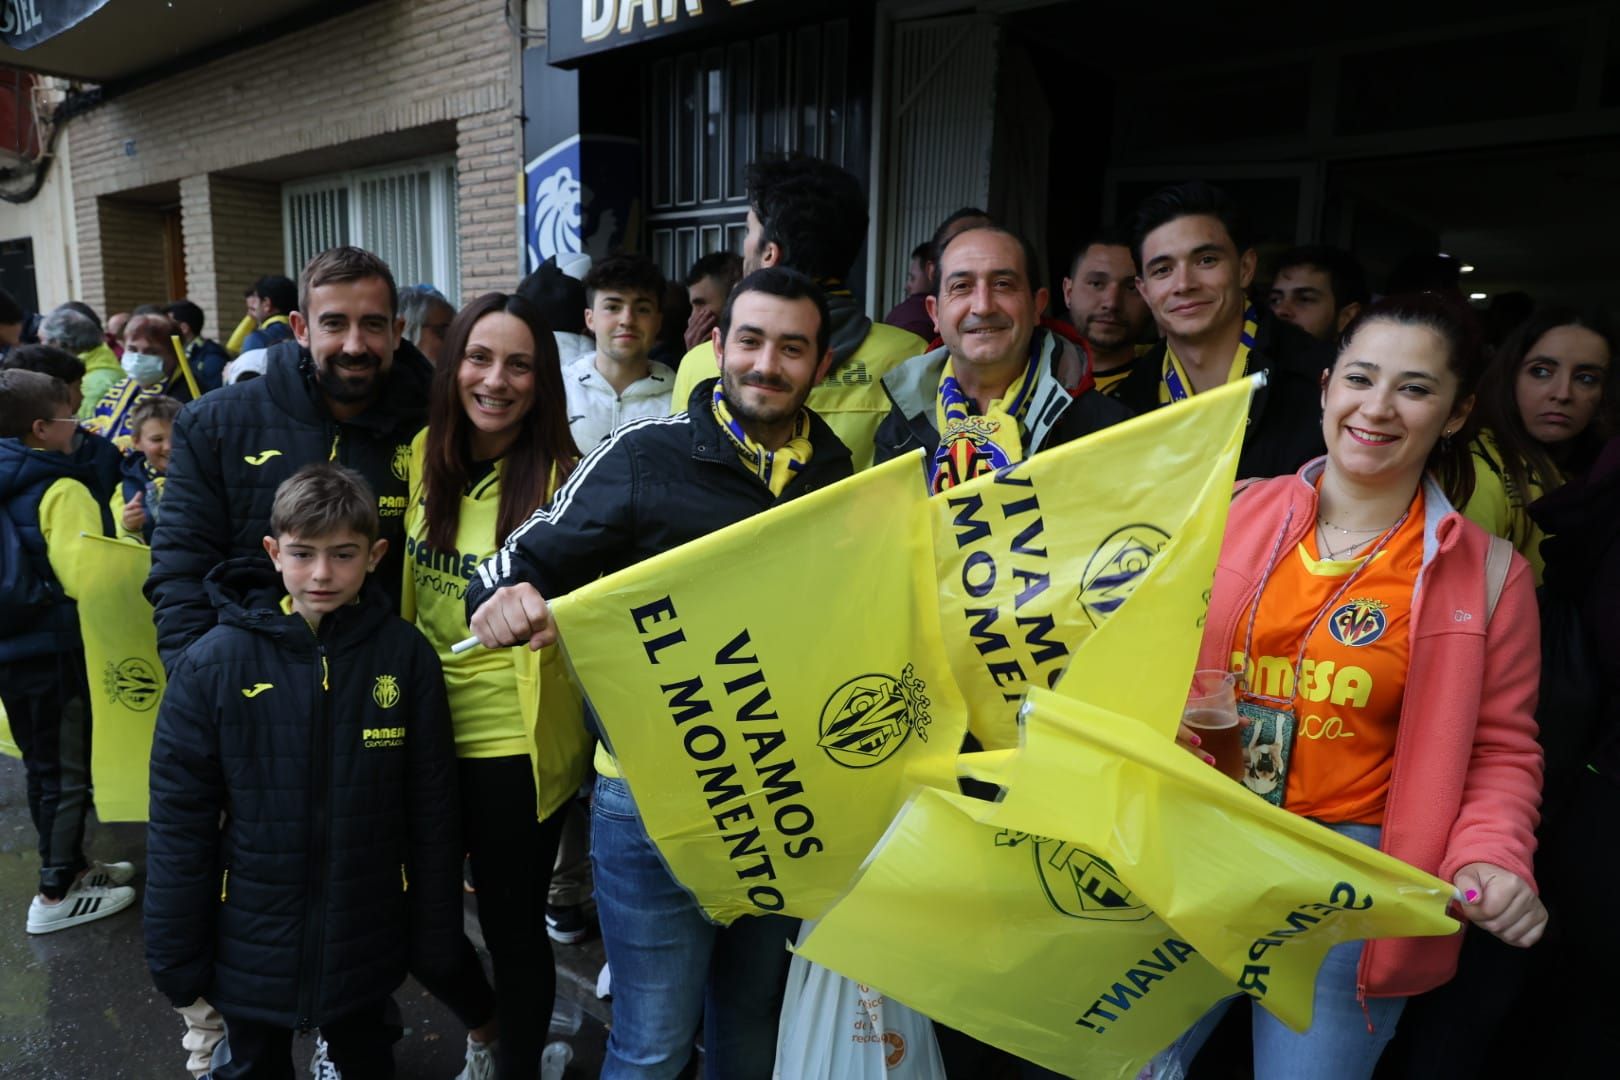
x: 1386, y: 671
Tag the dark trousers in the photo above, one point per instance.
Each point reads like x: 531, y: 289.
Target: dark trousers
x: 512, y: 858
x: 360, y: 1044
x: 48, y: 706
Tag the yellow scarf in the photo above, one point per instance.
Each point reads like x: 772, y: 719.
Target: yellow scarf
x: 1174, y: 385
x: 971, y: 445
x: 774, y: 467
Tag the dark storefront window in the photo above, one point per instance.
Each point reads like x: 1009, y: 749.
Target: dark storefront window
x: 713, y: 111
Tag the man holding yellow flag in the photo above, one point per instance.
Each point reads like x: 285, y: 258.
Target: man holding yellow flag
x: 745, y: 444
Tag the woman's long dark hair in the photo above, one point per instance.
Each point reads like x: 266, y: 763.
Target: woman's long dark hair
x: 1458, y: 326
x: 1523, y: 455
x: 543, y: 439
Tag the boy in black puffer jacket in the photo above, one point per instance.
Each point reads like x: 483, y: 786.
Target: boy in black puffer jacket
x: 314, y: 721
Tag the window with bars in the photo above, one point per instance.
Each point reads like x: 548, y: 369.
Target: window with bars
x: 405, y: 214
x: 711, y: 112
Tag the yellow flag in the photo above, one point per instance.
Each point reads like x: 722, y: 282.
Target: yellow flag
x: 774, y: 691
x: 1027, y: 943
x: 1260, y: 892
x: 125, y: 676
x: 8, y: 745
x: 1030, y: 560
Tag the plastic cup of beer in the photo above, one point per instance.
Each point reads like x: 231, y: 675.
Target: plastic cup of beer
x: 1212, y: 714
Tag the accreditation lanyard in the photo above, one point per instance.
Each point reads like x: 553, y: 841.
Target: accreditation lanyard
x: 1177, y: 383
x: 1287, y: 704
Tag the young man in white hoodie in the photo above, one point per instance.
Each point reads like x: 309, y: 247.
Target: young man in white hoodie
x: 618, y: 382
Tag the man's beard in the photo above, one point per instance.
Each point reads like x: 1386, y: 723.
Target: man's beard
x: 731, y: 390
x: 350, y: 389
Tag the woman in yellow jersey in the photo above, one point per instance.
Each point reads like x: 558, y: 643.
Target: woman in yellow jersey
x: 495, y: 448
x: 1541, y: 406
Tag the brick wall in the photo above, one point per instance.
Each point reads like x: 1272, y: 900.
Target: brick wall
x: 132, y: 246
x: 385, y: 68
x: 233, y: 237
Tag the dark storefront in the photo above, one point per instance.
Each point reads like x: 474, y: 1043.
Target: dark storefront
x: 639, y: 135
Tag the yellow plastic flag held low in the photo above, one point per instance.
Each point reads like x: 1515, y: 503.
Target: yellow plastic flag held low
x: 1032, y: 559
x: 1260, y: 892
x: 774, y: 691
x: 1027, y: 943
x: 125, y: 676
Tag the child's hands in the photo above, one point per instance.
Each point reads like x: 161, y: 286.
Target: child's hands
x: 134, y: 513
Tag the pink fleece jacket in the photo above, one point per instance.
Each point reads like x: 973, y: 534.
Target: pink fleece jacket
x: 1466, y: 783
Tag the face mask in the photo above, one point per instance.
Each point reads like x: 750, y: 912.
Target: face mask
x: 143, y: 367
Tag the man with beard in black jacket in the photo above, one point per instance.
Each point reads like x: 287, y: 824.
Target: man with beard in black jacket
x: 346, y: 389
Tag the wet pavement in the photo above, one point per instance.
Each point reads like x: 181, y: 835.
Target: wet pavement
x: 79, y: 1004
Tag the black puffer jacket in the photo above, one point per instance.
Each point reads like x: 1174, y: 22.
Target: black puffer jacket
x: 1285, y: 417
x: 332, y: 760
x: 652, y: 485
x: 233, y: 447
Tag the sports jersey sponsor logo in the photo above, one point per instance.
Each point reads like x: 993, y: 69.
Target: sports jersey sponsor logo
x: 870, y: 717
x: 385, y: 692
x: 1360, y: 622
x: 261, y: 457
x: 377, y: 738
x: 391, y: 505
x: 400, y: 466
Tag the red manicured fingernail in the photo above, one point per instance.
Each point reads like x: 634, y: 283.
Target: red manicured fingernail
x: 1209, y: 759
x: 1195, y: 740
x: 1471, y: 895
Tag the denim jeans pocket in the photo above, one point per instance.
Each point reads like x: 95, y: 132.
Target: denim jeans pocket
x: 613, y: 800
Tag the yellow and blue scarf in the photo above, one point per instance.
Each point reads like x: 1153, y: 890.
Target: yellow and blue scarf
x: 1176, y: 386
x: 774, y: 467
x: 973, y: 444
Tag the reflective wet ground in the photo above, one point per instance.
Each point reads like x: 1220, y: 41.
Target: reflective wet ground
x: 79, y: 1004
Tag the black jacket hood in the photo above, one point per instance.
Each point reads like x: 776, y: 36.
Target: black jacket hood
x: 248, y: 592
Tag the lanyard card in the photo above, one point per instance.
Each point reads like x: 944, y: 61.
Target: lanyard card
x: 1268, y: 747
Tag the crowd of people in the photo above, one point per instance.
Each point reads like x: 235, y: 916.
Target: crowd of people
x: 362, y: 477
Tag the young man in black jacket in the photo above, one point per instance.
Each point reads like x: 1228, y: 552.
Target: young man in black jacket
x: 347, y: 390
x: 303, y: 846
x: 745, y: 443
x: 1194, y: 267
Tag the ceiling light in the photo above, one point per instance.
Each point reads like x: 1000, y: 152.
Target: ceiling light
x: 1476, y: 296
x: 1465, y: 269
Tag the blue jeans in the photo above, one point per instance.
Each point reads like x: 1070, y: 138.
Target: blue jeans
x: 670, y: 964
x: 1337, y: 1046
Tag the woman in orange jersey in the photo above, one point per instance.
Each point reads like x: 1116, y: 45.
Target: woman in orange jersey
x: 1387, y: 672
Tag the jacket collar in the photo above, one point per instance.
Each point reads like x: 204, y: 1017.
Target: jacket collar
x: 914, y: 386
x: 1441, y: 521
x: 289, y: 372
x: 711, y: 444
x: 657, y: 383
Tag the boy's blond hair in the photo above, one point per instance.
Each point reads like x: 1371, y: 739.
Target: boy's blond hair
x: 322, y: 500
x: 159, y: 407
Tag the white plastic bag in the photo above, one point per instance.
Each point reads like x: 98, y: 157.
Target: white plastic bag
x: 834, y: 1028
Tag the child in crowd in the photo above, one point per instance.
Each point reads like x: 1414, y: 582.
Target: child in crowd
x: 135, y: 503
x: 45, y: 505
x: 304, y: 847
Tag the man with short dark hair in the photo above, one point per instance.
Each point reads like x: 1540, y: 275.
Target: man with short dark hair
x: 619, y: 381
x: 271, y: 303
x: 990, y: 395
x: 344, y: 389
x: 206, y: 356
x: 1194, y: 267
x: 810, y: 215
x: 746, y: 442
x: 1319, y: 289
x: 1104, y: 308
x: 708, y: 283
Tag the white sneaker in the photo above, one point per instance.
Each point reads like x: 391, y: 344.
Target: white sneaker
x: 480, y: 1061
x: 554, y: 1060
x: 83, y: 903
x: 109, y: 873
x: 320, y: 1064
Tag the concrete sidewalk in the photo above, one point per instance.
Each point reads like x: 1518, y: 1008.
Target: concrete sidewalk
x: 79, y: 1003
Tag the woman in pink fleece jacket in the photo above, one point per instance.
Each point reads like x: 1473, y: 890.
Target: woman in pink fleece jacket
x: 1385, y: 699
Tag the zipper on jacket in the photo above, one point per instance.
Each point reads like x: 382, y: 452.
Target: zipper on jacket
x: 224, y: 884
x: 337, y: 434
x: 314, y: 945
x: 404, y: 882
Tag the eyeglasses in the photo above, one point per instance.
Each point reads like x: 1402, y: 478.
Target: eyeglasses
x: 61, y: 420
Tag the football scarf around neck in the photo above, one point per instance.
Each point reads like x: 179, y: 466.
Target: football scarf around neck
x: 774, y: 467
x: 1176, y: 386
x: 973, y: 444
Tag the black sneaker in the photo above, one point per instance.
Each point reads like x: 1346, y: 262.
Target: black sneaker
x: 570, y: 924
